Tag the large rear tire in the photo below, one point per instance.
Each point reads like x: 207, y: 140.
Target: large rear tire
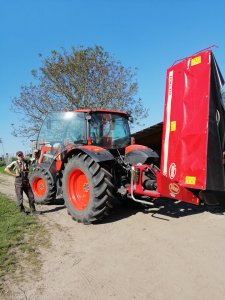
x: 87, y: 190
x: 43, y: 186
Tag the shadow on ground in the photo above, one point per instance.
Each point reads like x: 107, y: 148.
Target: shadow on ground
x: 57, y: 204
x: 174, y: 209
x: 162, y: 208
x: 179, y: 209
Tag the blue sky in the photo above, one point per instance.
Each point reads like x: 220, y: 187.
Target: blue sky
x: 145, y: 34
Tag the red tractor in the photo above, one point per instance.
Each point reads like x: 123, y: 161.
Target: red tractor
x: 88, y: 155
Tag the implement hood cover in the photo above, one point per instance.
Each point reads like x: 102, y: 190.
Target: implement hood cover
x: 194, y: 124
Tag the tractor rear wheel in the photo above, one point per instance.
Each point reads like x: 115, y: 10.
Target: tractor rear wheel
x: 87, y: 190
x: 43, y: 186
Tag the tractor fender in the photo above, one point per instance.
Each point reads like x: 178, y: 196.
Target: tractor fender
x: 135, y: 154
x: 99, y: 154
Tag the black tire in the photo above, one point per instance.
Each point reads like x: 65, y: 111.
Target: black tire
x: 87, y: 189
x: 43, y: 186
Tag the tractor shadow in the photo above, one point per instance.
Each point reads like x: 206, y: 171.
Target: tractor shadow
x: 58, y: 201
x: 163, y: 209
x: 57, y: 205
x: 120, y: 213
x: 166, y: 207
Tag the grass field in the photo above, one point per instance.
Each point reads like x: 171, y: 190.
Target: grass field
x: 20, y: 238
x: 2, y: 169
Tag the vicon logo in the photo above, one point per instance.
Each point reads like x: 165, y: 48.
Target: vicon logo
x: 172, y: 170
x: 174, y: 189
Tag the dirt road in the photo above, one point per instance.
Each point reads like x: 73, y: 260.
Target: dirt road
x: 170, y: 252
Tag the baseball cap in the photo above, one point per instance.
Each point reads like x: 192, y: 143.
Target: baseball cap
x: 19, y: 153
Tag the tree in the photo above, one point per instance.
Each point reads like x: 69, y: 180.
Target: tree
x: 83, y: 78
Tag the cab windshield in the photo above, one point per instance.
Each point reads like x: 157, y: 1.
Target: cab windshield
x: 63, y: 128
x: 109, y: 130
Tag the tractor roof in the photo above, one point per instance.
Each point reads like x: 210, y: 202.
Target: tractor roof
x: 91, y: 110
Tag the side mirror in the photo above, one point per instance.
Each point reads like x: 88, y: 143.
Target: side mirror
x: 131, y: 119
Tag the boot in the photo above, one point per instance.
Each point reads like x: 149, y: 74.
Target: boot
x: 34, y: 212
x: 22, y: 210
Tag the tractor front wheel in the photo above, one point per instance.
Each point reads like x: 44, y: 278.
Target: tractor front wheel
x: 43, y: 186
x: 87, y: 192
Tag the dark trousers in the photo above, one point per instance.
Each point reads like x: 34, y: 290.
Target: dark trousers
x: 22, y: 185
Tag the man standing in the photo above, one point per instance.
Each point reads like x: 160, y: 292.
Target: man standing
x: 20, y: 169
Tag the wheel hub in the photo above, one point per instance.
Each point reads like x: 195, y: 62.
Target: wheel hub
x: 78, y: 189
x: 86, y: 187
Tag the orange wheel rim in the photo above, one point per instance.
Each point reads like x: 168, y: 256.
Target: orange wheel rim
x: 78, y: 189
x: 39, y: 187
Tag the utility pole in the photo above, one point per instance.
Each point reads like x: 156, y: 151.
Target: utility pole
x: 1, y: 142
x: 3, y: 151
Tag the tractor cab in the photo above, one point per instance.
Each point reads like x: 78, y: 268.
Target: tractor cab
x: 66, y: 130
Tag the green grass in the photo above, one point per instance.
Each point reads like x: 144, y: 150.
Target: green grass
x: 20, y: 238
x: 2, y: 169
